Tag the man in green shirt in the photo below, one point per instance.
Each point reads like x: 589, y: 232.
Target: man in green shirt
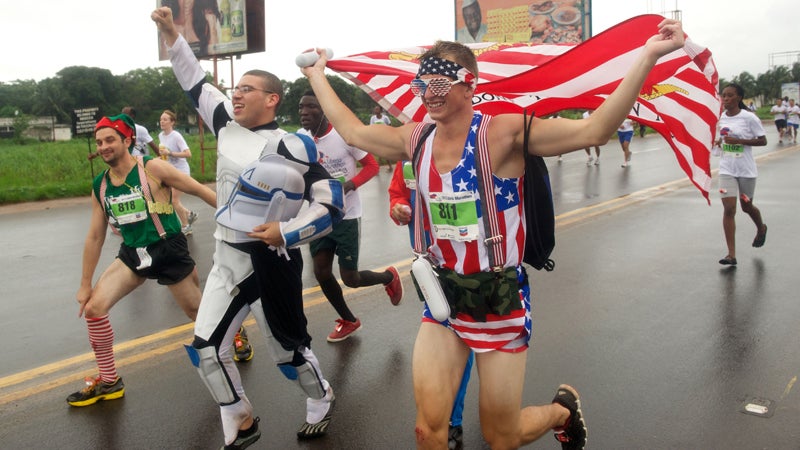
x: 133, y: 195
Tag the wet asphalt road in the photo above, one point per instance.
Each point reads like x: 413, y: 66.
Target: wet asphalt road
x: 664, y: 344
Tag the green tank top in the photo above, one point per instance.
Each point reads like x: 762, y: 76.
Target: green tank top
x: 126, y: 208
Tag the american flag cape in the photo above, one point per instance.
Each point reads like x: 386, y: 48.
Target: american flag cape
x: 679, y: 98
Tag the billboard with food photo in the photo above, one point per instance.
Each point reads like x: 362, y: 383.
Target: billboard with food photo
x: 534, y: 21
x: 217, y: 27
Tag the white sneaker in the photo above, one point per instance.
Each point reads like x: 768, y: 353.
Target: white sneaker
x: 187, y: 230
x: 597, y: 162
x: 589, y: 161
x: 192, y: 217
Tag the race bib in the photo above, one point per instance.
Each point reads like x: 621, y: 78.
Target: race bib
x: 408, y: 176
x: 341, y: 176
x: 454, y: 215
x: 734, y: 150
x: 128, y: 208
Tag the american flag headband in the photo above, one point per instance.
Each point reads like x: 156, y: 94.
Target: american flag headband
x: 438, y: 66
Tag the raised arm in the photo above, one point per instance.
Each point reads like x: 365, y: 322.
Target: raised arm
x: 388, y: 142
x: 554, y: 137
x: 163, y: 18
x: 213, y: 106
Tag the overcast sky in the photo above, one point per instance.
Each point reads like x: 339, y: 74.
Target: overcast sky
x: 44, y: 36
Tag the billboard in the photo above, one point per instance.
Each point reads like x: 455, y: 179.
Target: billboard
x: 534, y: 21
x: 215, y: 28
x: 791, y: 90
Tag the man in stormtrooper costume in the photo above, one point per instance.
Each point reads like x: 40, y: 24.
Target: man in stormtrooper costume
x: 263, y: 176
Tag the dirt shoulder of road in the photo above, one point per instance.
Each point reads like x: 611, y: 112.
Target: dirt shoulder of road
x: 15, y: 208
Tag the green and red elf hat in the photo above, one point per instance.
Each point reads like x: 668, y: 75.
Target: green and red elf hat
x: 122, y: 123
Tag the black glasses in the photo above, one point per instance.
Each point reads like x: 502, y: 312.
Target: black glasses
x: 247, y: 89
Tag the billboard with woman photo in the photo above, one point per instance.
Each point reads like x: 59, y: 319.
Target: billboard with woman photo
x: 217, y: 27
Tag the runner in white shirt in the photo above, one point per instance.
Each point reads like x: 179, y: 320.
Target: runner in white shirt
x: 779, y: 112
x: 739, y: 131
x: 143, y: 138
x: 792, y: 120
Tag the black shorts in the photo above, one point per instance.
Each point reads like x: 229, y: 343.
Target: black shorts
x: 167, y: 260
x: 780, y: 124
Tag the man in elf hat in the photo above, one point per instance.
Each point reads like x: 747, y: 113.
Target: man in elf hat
x: 133, y: 196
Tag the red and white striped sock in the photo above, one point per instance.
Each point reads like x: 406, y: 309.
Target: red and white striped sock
x: 101, y: 337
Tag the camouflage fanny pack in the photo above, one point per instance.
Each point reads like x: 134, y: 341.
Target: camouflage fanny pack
x: 480, y: 293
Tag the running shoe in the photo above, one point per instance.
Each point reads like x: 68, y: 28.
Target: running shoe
x: 187, y: 230
x: 589, y: 161
x: 96, y: 390
x: 455, y: 438
x: 761, y: 237
x: 573, y: 434
x: 394, y: 289
x: 315, y: 430
x: 597, y: 162
x: 343, y: 330
x: 242, y: 350
x: 245, y: 438
x: 192, y: 217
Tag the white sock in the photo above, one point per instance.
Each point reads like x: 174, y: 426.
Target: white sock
x: 316, y: 409
x: 233, y: 416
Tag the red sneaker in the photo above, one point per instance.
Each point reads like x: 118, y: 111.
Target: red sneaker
x: 343, y: 330
x: 394, y: 289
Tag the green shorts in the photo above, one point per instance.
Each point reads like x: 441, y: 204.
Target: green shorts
x: 343, y: 241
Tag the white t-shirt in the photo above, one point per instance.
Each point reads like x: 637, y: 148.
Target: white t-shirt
x: 778, y: 111
x: 384, y: 119
x: 627, y: 125
x: 737, y: 160
x: 339, y: 159
x: 793, y: 113
x: 143, y: 138
x: 175, y: 143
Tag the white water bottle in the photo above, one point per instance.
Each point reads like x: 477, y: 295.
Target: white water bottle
x: 310, y: 57
x: 428, y: 283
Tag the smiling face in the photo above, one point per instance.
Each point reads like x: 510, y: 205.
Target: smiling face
x: 438, y: 101
x: 111, y: 146
x: 255, y: 107
x: 472, y: 18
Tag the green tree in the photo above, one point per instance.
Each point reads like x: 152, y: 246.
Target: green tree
x: 748, y: 82
x: 355, y: 99
x: 151, y: 91
x: 795, y: 71
x: 17, y: 97
x: 77, y: 87
x: 21, y: 124
x: 769, y: 83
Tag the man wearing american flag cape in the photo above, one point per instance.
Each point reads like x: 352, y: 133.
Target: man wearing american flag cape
x: 498, y: 331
